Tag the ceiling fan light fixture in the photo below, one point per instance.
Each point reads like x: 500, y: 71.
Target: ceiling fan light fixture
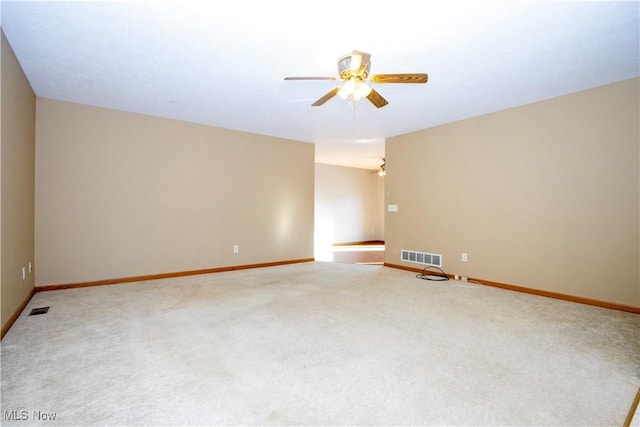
x: 347, y: 89
x: 363, y: 90
x: 354, y: 88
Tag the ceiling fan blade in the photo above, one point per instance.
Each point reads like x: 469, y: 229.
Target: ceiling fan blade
x: 376, y: 99
x: 364, y: 62
x: 326, y: 97
x: 311, y: 78
x: 400, y: 78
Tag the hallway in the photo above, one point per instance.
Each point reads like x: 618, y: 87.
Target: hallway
x: 359, y: 253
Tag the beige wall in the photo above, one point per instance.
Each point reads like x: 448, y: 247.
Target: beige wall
x: 348, y: 206
x: 17, y: 182
x: 121, y: 194
x: 544, y: 196
x: 380, y: 207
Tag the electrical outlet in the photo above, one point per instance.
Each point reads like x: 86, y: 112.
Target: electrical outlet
x: 465, y: 257
x: 24, y: 273
x: 236, y: 249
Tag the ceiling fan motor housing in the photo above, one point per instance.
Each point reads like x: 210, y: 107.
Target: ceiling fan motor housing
x: 347, y: 71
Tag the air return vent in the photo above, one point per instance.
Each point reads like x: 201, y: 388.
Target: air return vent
x: 39, y: 310
x: 421, y: 258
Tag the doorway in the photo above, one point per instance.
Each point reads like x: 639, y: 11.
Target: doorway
x: 349, y: 215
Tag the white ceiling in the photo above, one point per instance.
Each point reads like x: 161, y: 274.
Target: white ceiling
x: 223, y: 63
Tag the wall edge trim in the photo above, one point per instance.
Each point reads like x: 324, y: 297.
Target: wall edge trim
x: 539, y: 292
x: 360, y: 242
x: 16, y: 314
x: 632, y: 410
x: 120, y: 280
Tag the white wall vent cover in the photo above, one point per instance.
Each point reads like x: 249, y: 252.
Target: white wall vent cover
x: 421, y: 258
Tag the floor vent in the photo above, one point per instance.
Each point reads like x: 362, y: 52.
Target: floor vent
x: 421, y: 258
x: 39, y: 310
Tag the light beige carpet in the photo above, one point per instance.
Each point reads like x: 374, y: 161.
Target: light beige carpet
x: 317, y: 344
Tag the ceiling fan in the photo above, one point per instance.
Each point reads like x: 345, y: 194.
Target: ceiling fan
x: 353, y: 70
x: 382, y: 171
